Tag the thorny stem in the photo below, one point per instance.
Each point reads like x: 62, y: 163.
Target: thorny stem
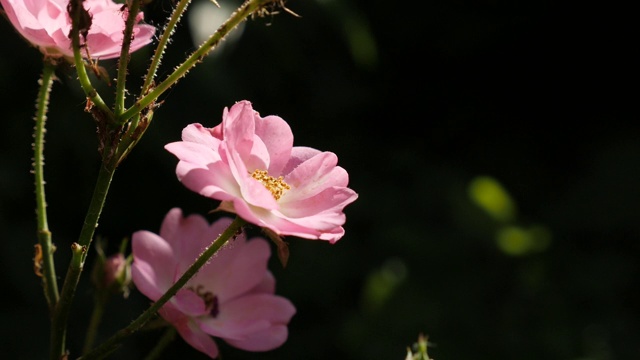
x: 241, y: 14
x: 162, y: 43
x: 76, y: 12
x: 133, y: 134
x: 111, y: 345
x: 123, y: 63
x: 48, y: 272
x: 61, y: 313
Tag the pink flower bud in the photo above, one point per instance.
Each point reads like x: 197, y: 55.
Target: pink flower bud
x: 114, y: 268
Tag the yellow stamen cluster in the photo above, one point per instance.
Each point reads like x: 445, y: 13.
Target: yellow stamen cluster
x: 276, y: 186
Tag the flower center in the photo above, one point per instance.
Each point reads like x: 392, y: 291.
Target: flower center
x: 210, y: 300
x: 276, y: 186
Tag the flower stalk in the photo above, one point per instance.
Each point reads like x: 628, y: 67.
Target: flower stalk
x: 63, y: 307
x: 79, y: 251
x: 77, y: 12
x: 123, y: 63
x: 44, y: 235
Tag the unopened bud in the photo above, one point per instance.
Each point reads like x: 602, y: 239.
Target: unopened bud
x: 117, y: 274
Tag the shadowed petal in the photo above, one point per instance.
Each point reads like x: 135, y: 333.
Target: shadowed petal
x: 149, y: 270
x: 249, y: 314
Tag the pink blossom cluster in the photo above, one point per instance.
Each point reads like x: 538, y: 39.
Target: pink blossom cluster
x: 247, y: 162
x: 250, y: 165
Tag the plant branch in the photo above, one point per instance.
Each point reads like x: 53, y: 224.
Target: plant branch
x: 48, y: 272
x: 123, y: 62
x: 241, y: 14
x: 76, y: 12
x: 175, y: 17
x: 61, y: 313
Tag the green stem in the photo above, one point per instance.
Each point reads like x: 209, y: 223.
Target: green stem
x: 96, y: 317
x: 112, y: 344
x: 166, y: 339
x: 241, y: 14
x: 162, y: 44
x: 44, y: 235
x: 95, y: 207
x: 137, y: 128
x: 123, y: 63
x: 61, y: 314
x: 83, y: 77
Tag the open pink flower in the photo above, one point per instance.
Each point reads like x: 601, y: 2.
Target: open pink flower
x: 249, y: 163
x: 231, y: 297
x: 46, y: 24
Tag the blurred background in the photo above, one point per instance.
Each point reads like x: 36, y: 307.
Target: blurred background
x: 492, y: 144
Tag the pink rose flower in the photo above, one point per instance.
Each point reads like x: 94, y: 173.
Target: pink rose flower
x: 46, y: 24
x: 249, y: 163
x: 231, y: 297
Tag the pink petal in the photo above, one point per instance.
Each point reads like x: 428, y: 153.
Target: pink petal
x: 299, y: 154
x: 189, y: 330
x: 267, y: 285
x: 236, y: 268
x: 215, y: 182
x: 239, y: 127
x: 200, y: 340
x: 152, y: 269
x: 259, y: 158
x: 315, y: 174
x: 197, y: 154
x: 45, y: 24
x: 197, y: 133
x: 188, y: 236
x: 189, y: 303
x: 277, y: 137
x: 328, y: 201
x: 253, y: 191
x: 249, y: 314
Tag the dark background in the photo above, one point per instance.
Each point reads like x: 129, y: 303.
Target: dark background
x: 418, y: 99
